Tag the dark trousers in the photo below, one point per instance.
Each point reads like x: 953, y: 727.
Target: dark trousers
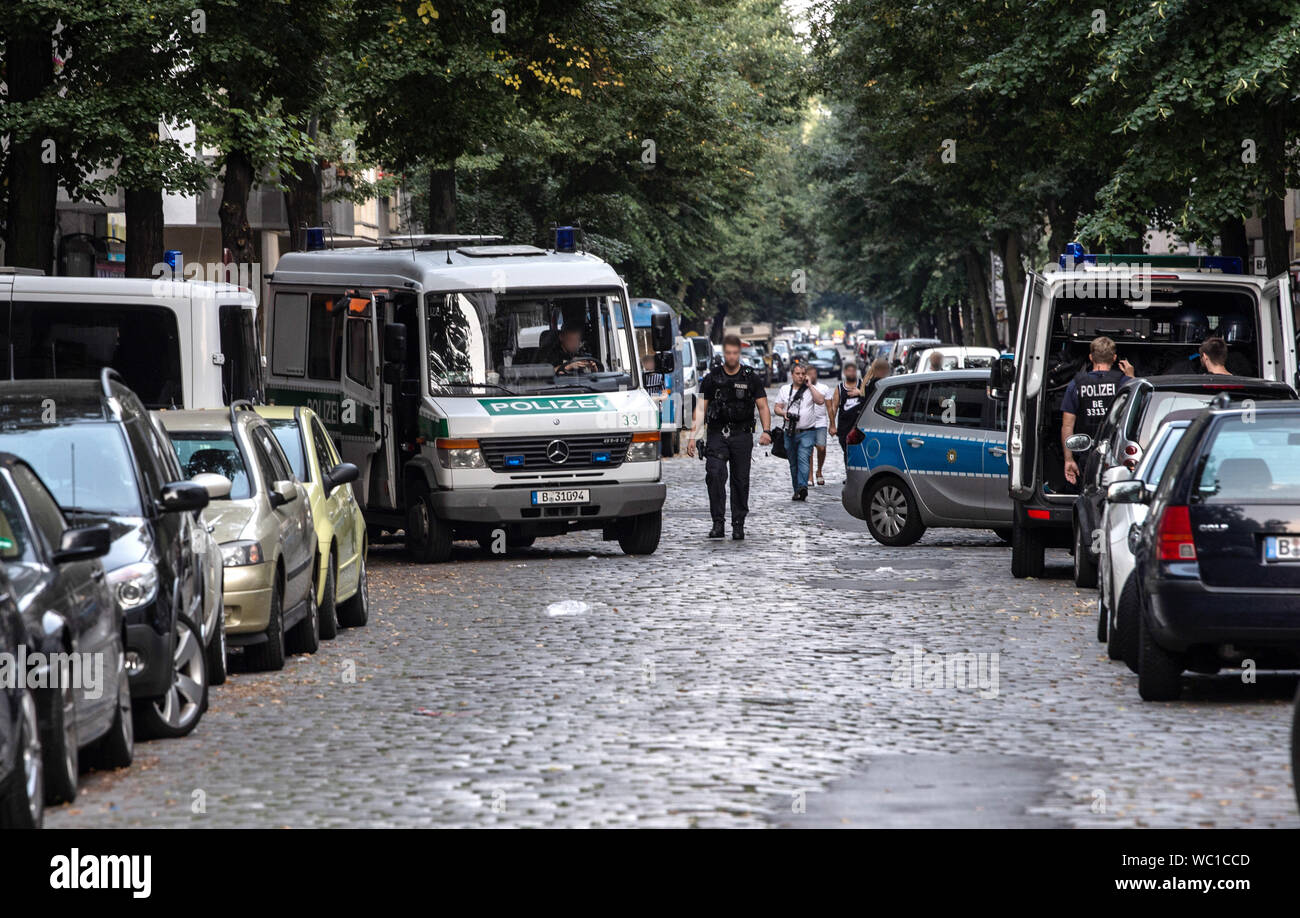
x: 737, y: 449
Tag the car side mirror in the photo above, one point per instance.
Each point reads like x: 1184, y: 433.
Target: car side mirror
x: 394, y: 342
x: 341, y: 474
x: 1079, y: 443
x: 182, y: 496
x: 661, y: 331
x: 1115, y: 473
x: 665, y: 362
x: 283, y: 492
x: 1128, y: 492
x: 1002, y: 377
x: 84, y: 543
x: 217, y: 486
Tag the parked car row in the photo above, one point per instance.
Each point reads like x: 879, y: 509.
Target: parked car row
x: 138, y: 548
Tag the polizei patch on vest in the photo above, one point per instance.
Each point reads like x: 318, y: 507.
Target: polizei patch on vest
x: 1097, y: 390
x: 500, y: 406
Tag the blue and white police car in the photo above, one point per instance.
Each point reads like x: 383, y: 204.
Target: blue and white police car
x: 929, y: 450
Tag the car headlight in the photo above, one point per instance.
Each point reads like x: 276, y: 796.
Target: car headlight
x: 644, y: 448
x: 460, y: 454
x: 241, y: 553
x: 134, y: 585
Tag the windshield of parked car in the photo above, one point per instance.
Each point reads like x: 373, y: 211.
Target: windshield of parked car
x: 289, y: 436
x: 520, y: 343
x: 215, y: 452
x: 86, y: 466
x: 1253, y: 458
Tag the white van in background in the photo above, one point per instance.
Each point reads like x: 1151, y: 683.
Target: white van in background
x: 181, y: 344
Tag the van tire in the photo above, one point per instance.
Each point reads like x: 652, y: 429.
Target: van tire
x: 1026, y: 551
x: 1160, y: 672
x: 639, y: 535
x: 428, y: 539
x: 1085, y: 567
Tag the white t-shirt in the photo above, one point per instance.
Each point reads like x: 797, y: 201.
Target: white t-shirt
x: 806, y: 409
x: 822, y: 419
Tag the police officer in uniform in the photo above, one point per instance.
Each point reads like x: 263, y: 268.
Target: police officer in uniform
x: 1089, y: 396
x: 728, y: 396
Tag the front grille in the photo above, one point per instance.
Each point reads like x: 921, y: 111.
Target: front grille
x: 522, y: 454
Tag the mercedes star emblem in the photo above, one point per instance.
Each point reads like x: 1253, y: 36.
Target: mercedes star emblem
x: 557, y: 451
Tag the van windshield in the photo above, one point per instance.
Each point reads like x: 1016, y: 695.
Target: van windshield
x: 522, y: 343
x: 53, y: 340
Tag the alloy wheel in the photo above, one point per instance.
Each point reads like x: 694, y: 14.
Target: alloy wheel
x: 889, y: 510
x: 184, y: 698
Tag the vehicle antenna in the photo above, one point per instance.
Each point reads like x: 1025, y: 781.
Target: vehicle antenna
x: 73, y: 449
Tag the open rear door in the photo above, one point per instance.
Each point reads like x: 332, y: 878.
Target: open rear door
x: 1022, y: 439
x: 1280, y: 319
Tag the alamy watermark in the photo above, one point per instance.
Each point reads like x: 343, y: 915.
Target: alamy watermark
x: 37, y: 670
x: 965, y: 671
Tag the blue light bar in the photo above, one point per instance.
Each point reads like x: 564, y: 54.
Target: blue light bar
x: 1074, y: 255
x: 515, y: 462
x: 174, y: 260
x: 566, y: 239
x: 315, y: 240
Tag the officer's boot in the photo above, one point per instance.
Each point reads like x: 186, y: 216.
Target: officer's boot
x: 716, y: 532
x: 738, y: 532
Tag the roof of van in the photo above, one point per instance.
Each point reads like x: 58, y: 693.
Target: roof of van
x: 1158, y: 274
x: 468, y: 268
x: 130, y: 287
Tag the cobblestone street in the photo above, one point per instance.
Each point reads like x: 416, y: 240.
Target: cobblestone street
x: 714, y: 684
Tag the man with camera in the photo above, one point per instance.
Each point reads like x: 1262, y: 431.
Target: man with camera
x: 796, y: 403
x: 728, y: 396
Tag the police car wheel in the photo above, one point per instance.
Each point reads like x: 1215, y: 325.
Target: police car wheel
x: 892, y: 514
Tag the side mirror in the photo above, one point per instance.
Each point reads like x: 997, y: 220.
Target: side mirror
x: 1079, y: 443
x: 84, y: 544
x: 394, y: 343
x: 1114, y: 474
x: 1002, y: 377
x: 283, y: 492
x: 341, y: 474
x: 1128, y: 492
x: 661, y: 331
x: 393, y: 374
x: 217, y: 486
x: 182, y: 496
x: 665, y: 362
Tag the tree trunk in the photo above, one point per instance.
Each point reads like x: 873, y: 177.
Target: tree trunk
x: 943, y: 321
x: 965, y: 334
x: 236, y: 233
x: 1233, y: 242
x: 442, y: 201
x: 1013, y: 281
x: 302, y: 201
x: 144, y: 232
x: 33, y: 183
x: 982, y: 332
x: 1060, y: 229
x: 1277, y: 253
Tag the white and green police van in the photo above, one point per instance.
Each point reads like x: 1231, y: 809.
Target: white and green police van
x: 433, y: 362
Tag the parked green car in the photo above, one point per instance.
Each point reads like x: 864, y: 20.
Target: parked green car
x: 265, y: 528
x: 340, y: 526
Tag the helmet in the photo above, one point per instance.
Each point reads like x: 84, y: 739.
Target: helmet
x: 1234, y: 328
x: 1189, y: 326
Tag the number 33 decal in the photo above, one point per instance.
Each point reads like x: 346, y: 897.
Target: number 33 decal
x: 631, y: 420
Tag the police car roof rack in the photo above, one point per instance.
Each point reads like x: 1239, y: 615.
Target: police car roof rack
x: 1075, y: 256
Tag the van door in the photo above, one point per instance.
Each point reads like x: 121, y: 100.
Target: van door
x: 362, y: 411
x: 1031, y: 346
x: 1280, y: 322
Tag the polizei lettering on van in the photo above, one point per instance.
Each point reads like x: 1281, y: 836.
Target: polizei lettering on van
x: 500, y: 406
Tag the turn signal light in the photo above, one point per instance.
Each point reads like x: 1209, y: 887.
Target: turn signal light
x: 1174, y: 535
x: 645, y: 436
x: 444, y: 443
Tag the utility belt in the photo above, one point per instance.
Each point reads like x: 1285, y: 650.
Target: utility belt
x: 731, y: 429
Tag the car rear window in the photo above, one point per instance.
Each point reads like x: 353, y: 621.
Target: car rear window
x: 216, y: 453
x: 1156, y: 467
x: 1252, y: 458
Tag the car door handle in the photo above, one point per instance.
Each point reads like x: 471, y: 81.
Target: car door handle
x: 915, y: 441
x: 997, y: 451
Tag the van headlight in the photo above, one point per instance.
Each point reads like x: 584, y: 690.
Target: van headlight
x: 460, y: 454
x: 134, y: 585
x: 242, y: 553
x: 644, y: 448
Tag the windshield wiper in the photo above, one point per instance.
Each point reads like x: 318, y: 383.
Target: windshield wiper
x: 585, y: 387
x: 476, y: 385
